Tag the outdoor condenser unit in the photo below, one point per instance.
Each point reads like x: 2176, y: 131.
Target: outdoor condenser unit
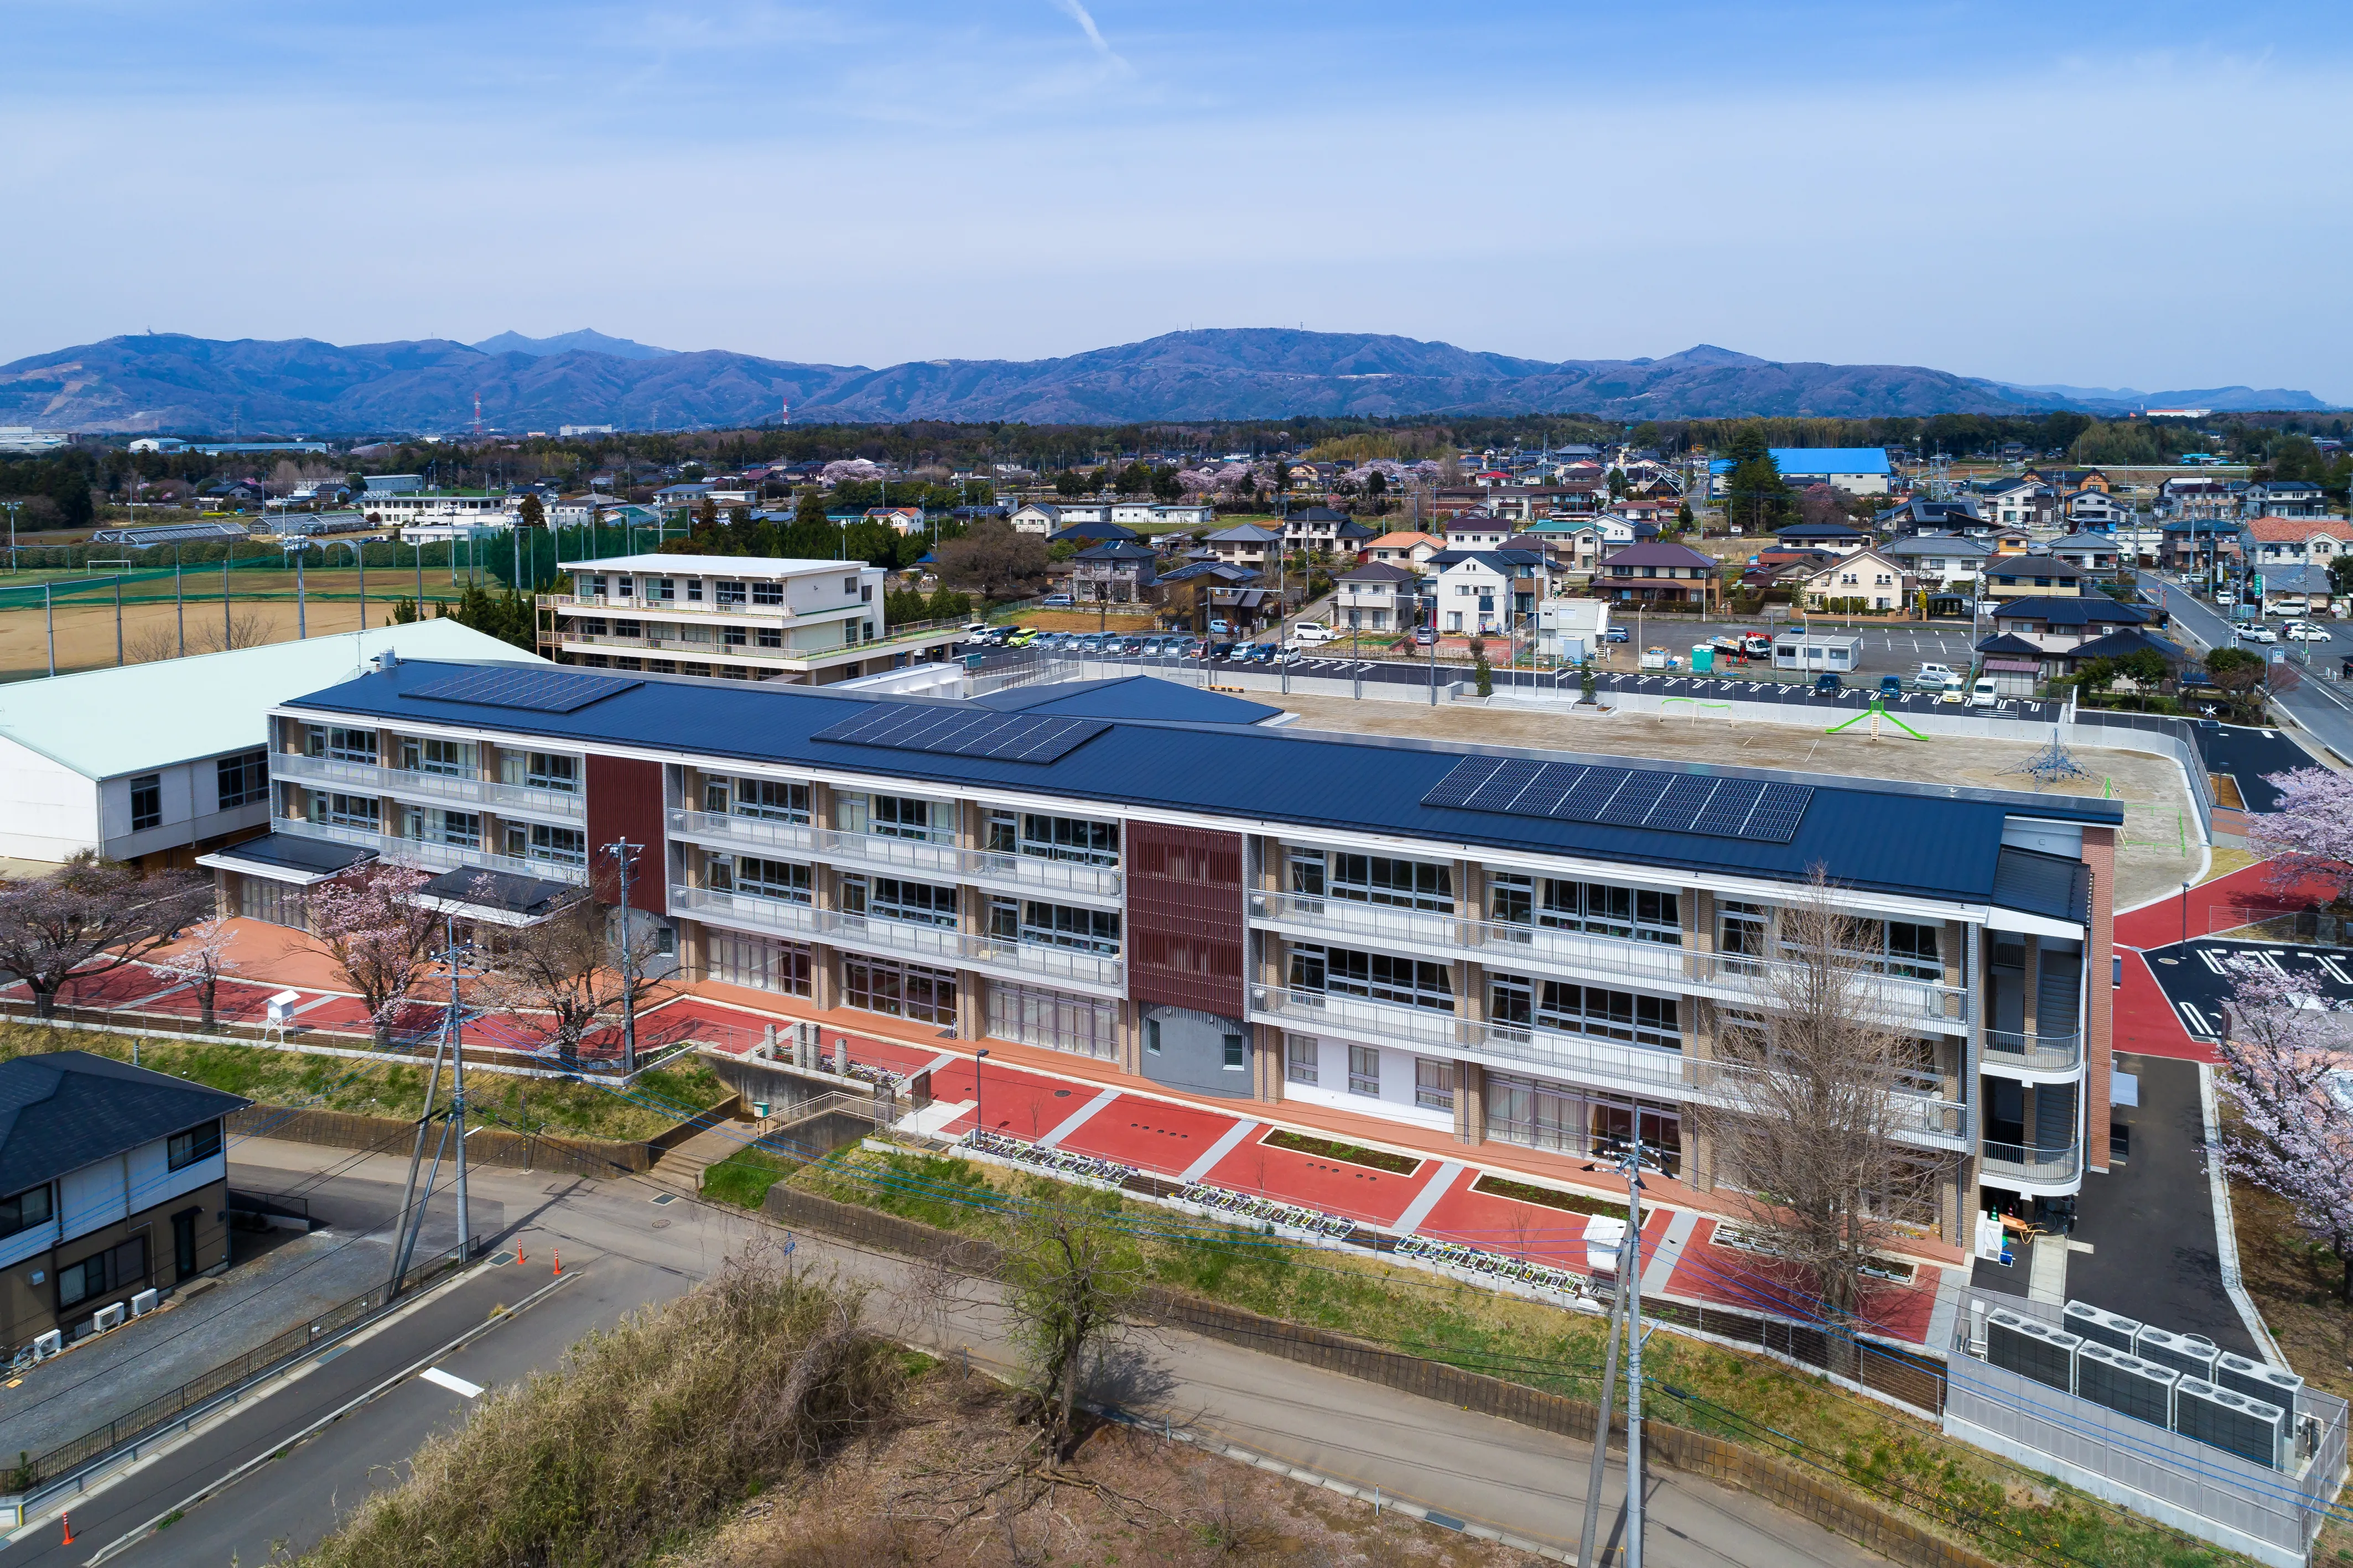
x: 2251, y: 1429
x: 2191, y: 1355
x: 2125, y: 1383
x: 2032, y: 1349
x: 2097, y: 1325
x: 2257, y: 1381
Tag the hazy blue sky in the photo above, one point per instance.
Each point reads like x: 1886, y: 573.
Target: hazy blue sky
x: 2149, y: 194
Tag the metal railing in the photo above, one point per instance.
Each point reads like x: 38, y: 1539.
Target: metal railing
x: 431, y: 856
x: 705, y: 648
x: 2039, y: 1052
x: 2029, y: 1162
x: 901, y: 854
x: 403, y: 782
x: 939, y: 944
x: 1628, y: 1065
x: 1899, y: 998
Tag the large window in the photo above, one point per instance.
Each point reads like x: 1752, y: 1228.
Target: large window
x: 199, y: 1143
x: 786, y: 879
x: 1433, y: 1084
x: 118, y: 1268
x: 1069, y: 838
x: 1301, y: 1058
x: 1516, y: 1002
x: 25, y: 1210
x: 1062, y: 925
x: 461, y: 829
x: 451, y: 759
x: 1740, y: 930
x: 1083, y: 1025
x: 338, y: 810
x: 1602, y: 909
x: 273, y: 903
x: 1378, y: 879
x: 894, y: 899
x: 770, y: 800
x: 340, y: 744
x: 900, y: 989
x: 540, y: 769
x: 555, y: 846
x: 1364, y: 1070
x: 1911, y: 951
x: 146, y: 802
x: 734, y: 959
x: 1543, y: 1114
x: 897, y: 816
x: 243, y: 778
x: 1345, y: 971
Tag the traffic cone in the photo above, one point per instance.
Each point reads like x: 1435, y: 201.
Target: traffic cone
x: 559, y: 1262
x: 521, y: 1256
x: 67, y: 1520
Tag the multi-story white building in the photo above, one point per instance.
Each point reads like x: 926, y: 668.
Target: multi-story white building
x: 400, y: 508
x: 1533, y: 949
x: 736, y: 617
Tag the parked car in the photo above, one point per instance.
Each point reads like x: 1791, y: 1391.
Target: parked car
x: 1222, y: 650
x: 1931, y: 677
x: 2305, y: 631
x: 1055, y: 602
x: 1425, y: 636
x: 1956, y: 689
x: 1828, y: 684
x: 1221, y: 628
x: 1891, y: 686
x: 1984, y: 694
x: 1615, y: 634
x: 2258, y: 635
x: 1313, y: 632
x: 1021, y: 637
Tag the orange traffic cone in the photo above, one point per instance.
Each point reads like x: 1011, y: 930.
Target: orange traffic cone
x: 521, y: 1256
x: 559, y: 1262
x: 67, y: 1520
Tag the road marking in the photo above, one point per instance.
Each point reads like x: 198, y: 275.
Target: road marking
x: 451, y: 1381
x: 1661, y: 1264
x: 2196, y: 1020
x: 1077, y: 1119
x: 2334, y: 973
x: 1217, y: 1151
x: 1427, y: 1199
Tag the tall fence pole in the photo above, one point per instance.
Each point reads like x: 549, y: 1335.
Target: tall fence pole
x: 49, y: 622
x: 228, y: 638
x: 118, y: 620
x: 361, y: 551
x: 180, y: 603
x: 301, y: 613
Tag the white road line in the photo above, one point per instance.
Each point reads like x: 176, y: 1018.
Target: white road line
x: 1077, y: 1119
x: 2334, y: 973
x: 1427, y: 1199
x: 2206, y: 954
x: 2196, y: 1021
x: 1218, y: 1151
x: 451, y: 1381
x: 1660, y: 1264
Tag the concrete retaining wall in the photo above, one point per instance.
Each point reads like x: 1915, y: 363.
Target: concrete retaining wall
x: 488, y: 1146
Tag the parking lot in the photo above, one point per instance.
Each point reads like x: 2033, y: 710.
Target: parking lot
x: 2197, y: 975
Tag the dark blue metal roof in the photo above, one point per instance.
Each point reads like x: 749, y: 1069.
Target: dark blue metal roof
x: 1938, y: 841
x: 65, y: 1109
x: 1129, y: 696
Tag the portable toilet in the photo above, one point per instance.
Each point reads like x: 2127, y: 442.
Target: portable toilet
x: 1703, y: 658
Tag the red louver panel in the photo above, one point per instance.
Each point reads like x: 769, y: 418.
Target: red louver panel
x: 624, y: 801
x: 1186, y: 945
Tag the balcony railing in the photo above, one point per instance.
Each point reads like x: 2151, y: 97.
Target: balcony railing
x: 2028, y: 1163
x: 2037, y: 1052
x: 940, y: 944
x: 761, y: 835
x: 692, y: 648
x: 1898, y: 998
x: 633, y: 606
x: 406, y: 783
x: 429, y: 855
x: 1625, y: 1065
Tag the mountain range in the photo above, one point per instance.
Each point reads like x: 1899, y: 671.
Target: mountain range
x: 189, y: 385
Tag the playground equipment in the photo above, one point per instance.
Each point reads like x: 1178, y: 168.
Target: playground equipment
x: 1875, y: 712
x: 2054, y: 764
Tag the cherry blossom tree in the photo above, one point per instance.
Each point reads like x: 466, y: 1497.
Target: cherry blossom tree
x: 370, y: 922
x: 2310, y: 832
x: 203, y: 956
x: 2285, y: 1067
x: 90, y: 917
x: 559, y: 977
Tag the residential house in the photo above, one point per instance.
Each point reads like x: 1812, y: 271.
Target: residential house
x: 1919, y: 515
x: 2269, y: 541
x: 1939, y: 560
x: 1875, y: 581
x: 1245, y: 544
x: 2015, y: 576
x: 1118, y: 573
x: 1042, y: 518
x: 2066, y: 479
x: 1658, y: 571
x: 2012, y: 664
x: 1185, y: 514
x: 1486, y: 590
x: 2095, y: 508
x: 1320, y: 528
x: 2017, y: 499
x: 117, y: 1184
x: 1837, y: 538
x: 2285, y: 497
x: 1857, y: 470
x: 1376, y: 597
x: 1405, y: 549
x: 2120, y: 644
x: 2199, y: 543
x: 2094, y: 553
x: 1478, y: 531
x: 2189, y: 498
x: 1083, y: 534
x: 2055, y: 626
x: 2297, y: 591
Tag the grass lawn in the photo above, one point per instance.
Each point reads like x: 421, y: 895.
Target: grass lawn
x: 1760, y: 1402
x: 2295, y: 1286
x: 395, y: 1089
x: 744, y: 1177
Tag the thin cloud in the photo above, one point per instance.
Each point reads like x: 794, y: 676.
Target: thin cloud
x: 1078, y: 13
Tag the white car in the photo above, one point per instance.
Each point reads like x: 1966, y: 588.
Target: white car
x: 1311, y: 633
x: 1931, y: 678
x: 2304, y: 631
x: 1984, y: 694
x: 2258, y: 634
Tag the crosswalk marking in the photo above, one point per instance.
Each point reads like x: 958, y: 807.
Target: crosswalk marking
x: 451, y: 1381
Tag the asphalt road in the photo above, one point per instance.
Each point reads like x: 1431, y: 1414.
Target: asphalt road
x: 2196, y: 978
x: 627, y: 1249
x: 2319, y: 703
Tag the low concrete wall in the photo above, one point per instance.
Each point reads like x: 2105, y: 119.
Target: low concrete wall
x: 1788, y: 1486
x: 488, y: 1146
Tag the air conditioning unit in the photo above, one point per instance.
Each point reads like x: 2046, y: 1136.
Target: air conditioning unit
x: 2254, y: 1429
x: 2191, y: 1355
x: 2125, y: 1383
x: 2257, y: 1381
x: 143, y: 1303
x: 48, y: 1344
x: 106, y: 1318
x: 2097, y: 1325
x: 2032, y: 1349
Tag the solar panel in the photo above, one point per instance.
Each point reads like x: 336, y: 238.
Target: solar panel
x: 1686, y: 796
x: 1500, y: 791
x: 1776, y: 818
x: 1622, y: 797
x: 1634, y: 799
x: 539, y: 690
x: 1726, y: 812
x: 964, y: 732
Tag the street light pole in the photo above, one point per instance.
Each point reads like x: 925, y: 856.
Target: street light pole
x: 979, y: 1109
x: 624, y: 854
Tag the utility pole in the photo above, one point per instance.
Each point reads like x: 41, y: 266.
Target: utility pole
x: 624, y: 854
x: 452, y: 956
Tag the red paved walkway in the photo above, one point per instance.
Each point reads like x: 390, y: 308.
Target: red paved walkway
x: 2240, y: 899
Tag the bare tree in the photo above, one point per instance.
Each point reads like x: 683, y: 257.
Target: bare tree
x: 1070, y: 1278
x: 90, y: 917
x: 243, y: 628
x: 992, y: 558
x: 152, y: 642
x: 1809, y: 1108
x: 203, y: 956
x: 370, y: 922
x: 561, y: 976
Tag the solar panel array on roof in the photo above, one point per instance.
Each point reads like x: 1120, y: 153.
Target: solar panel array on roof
x: 539, y: 690
x: 964, y: 732
x: 1625, y: 797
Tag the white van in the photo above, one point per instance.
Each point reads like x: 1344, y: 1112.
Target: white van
x: 1984, y: 694
x: 1311, y: 633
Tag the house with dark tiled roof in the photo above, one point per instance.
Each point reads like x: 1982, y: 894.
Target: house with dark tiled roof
x: 1659, y: 570
x: 1121, y: 572
x: 2032, y: 575
x: 1376, y: 597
